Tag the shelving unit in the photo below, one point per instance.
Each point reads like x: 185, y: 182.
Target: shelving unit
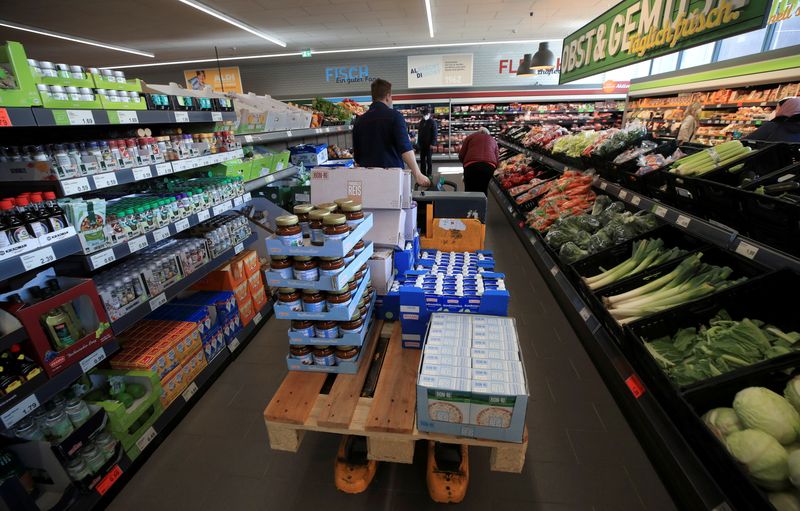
x: 39, y: 254
x: 271, y: 178
x: 46, y: 117
x: 281, y: 136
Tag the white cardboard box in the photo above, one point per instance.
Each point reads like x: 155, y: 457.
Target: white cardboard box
x: 387, y: 226
x: 380, y: 266
x: 375, y: 188
x: 410, y: 227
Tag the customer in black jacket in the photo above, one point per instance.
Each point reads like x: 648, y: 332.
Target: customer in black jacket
x: 427, y: 133
x: 785, y: 127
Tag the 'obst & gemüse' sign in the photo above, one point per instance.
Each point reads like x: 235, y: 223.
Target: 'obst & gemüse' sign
x: 637, y: 30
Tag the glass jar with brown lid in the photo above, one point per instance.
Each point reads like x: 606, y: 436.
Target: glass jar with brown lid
x: 363, y: 306
x: 353, y: 212
x: 303, y: 354
x: 289, y: 231
x: 313, y: 301
x: 324, y: 356
x: 346, y: 353
x: 334, y: 227
x: 306, y: 268
x: 348, y: 258
x: 289, y: 297
x: 352, y: 285
x: 359, y: 247
x: 330, y: 266
x: 341, y: 202
x: 353, y: 325
x: 330, y: 207
x: 282, y: 265
x: 302, y: 211
x: 315, y: 225
x: 339, y: 298
x: 303, y: 326
x: 326, y: 329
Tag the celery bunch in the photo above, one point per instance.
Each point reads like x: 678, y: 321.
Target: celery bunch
x: 709, y: 159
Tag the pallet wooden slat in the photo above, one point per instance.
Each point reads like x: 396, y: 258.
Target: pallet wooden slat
x: 394, y: 405
x: 295, y: 398
x: 346, y: 390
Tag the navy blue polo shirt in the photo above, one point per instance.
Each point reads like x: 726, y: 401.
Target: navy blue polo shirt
x: 380, y: 137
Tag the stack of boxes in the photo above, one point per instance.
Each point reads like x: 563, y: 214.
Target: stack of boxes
x: 224, y: 323
x: 471, y: 379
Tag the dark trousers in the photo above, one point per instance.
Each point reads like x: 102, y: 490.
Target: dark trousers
x: 426, y: 160
x: 477, y: 177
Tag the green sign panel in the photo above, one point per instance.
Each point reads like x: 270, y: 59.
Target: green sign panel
x: 637, y: 30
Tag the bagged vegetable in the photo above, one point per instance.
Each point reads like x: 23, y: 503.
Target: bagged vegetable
x: 581, y: 238
x: 556, y: 237
x: 570, y: 252
x: 611, y: 212
x: 600, y: 204
x: 599, y: 241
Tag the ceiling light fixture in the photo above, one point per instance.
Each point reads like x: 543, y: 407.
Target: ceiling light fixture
x: 524, y: 67
x: 75, y: 39
x: 236, y: 23
x: 323, y: 52
x: 543, y: 58
x: 430, y: 16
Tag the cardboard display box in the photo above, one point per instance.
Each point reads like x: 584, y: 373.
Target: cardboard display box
x: 374, y: 188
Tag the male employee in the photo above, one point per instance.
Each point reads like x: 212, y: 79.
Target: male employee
x: 380, y: 136
x: 427, y: 133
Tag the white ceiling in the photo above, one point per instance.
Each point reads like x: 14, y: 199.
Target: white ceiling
x: 174, y: 31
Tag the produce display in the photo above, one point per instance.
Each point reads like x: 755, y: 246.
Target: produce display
x: 613, y: 140
x: 332, y: 111
x: 574, y: 145
x: 710, y: 159
x: 569, y: 195
x: 608, y: 224
x: 695, y: 354
x: 690, y: 280
x: 647, y: 253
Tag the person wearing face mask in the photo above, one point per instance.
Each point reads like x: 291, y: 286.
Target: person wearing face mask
x: 380, y: 135
x: 785, y: 127
x: 427, y: 134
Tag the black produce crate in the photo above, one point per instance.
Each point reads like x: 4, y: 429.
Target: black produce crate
x: 762, y: 298
x: 656, y: 183
x: 741, y: 266
x: 627, y: 170
x: 604, y: 164
x: 773, y: 220
x: 612, y: 256
x: 739, y: 487
x: 575, y: 163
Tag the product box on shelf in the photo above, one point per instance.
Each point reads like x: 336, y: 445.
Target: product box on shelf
x: 330, y: 248
x: 65, y: 327
x: 226, y: 278
x: 222, y: 302
x: 127, y: 423
x: 259, y: 298
x: 381, y: 268
x: 172, y: 385
x: 374, y: 188
x: 325, y: 283
x: 410, y: 225
x: 348, y: 163
x: 389, y: 309
x: 309, y: 154
x: 247, y: 310
x: 254, y: 283
x: 389, y: 228
x: 467, y: 391
x: 406, y: 259
x: 215, y: 343
x: 24, y: 92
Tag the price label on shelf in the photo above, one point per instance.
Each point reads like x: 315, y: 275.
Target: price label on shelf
x: 190, y: 391
x: 128, y: 117
x: 247, y: 197
x: 181, y: 225
x: 660, y: 211
x: 257, y: 318
x: 233, y: 344
x: 137, y: 243
x: 158, y: 301
x: 80, y: 117
x: 239, y: 248
x: 146, y: 438
x: 554, y: 270
x: 105, y: 180
x: 248, y: 139
x: 140, y: 173
x: 161, y: 234
x: 237, y: 201
x: 216, y: 116
x: 318, y: 131
x: 20, y: 410
x: 203, y: 215
x: 221, y: 208
x: 623, y: 194
x: 181, y: 116
x: 108, y: 480
x: 746, y: 249
x: 683, y: 221
x: 92, y: 360
x: 103, y: 258
x: 38, y: 258
x: 636, y: 200
x: 73, y: 186
x: 603, y: 185
x: 289, y: 133
x: 5, y: 120
x: 162, y: 169
x: 585, y: 314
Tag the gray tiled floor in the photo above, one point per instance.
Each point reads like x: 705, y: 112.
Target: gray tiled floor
x: 581, y: 455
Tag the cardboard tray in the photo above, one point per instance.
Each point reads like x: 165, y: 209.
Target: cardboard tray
x: 298, y: 339
x: 335, y: 248
x: 338, y: 314
x: 324, y: 283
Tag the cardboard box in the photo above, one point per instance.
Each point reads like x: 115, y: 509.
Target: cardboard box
x: 226, y: 278
x: 255, y: 283
x: 387, y: 228
x: 410, y: 226
x: 246, y: 310
x: 309, y: 154
x: 380, y: 265
x: 374, y: 188
x: 251, y: 263
x: 259, y: 298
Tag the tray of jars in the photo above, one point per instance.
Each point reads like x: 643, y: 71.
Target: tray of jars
x: 323, y: 274
x: 336, y: 239
x: 312, y: 305
x: 327, y: 358
x: 341, y: 334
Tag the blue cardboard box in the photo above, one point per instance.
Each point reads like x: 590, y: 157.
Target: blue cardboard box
x: 309, y: 154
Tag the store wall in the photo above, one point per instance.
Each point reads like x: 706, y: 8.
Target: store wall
x: 493, y: 67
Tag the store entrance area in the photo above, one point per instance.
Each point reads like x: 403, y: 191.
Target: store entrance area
x: 581, y: 453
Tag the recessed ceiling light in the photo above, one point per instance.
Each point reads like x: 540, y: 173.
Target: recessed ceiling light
x: 40, y: 31
x: 323, y: 52
x: 430, y: 16
x: 236, y: 23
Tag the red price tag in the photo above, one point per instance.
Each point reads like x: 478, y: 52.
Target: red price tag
x: 635, y: 385
x: 108, y: 481
x: 5, y: 121
x: 521, y: 224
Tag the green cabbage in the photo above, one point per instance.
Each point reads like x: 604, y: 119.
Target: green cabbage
x: 762, y: 409
x: 784, y: 501
x: 792, y: 392
x: 722, y: 422
x: 764, y: 457
x: 794, y: 468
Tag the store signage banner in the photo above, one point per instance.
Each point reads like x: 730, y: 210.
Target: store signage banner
x: 783, y: 10
x: 430, y: 71
x: 637, y: 30
x: 231, y: 81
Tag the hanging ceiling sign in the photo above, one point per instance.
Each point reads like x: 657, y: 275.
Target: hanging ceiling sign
x: 430, y: 71
x: 783, y: 10
x: 637, y: 30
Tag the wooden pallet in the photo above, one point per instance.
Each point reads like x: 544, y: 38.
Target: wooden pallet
x: 387, y: 419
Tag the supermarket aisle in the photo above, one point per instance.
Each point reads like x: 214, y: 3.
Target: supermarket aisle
x: 581, y: 456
